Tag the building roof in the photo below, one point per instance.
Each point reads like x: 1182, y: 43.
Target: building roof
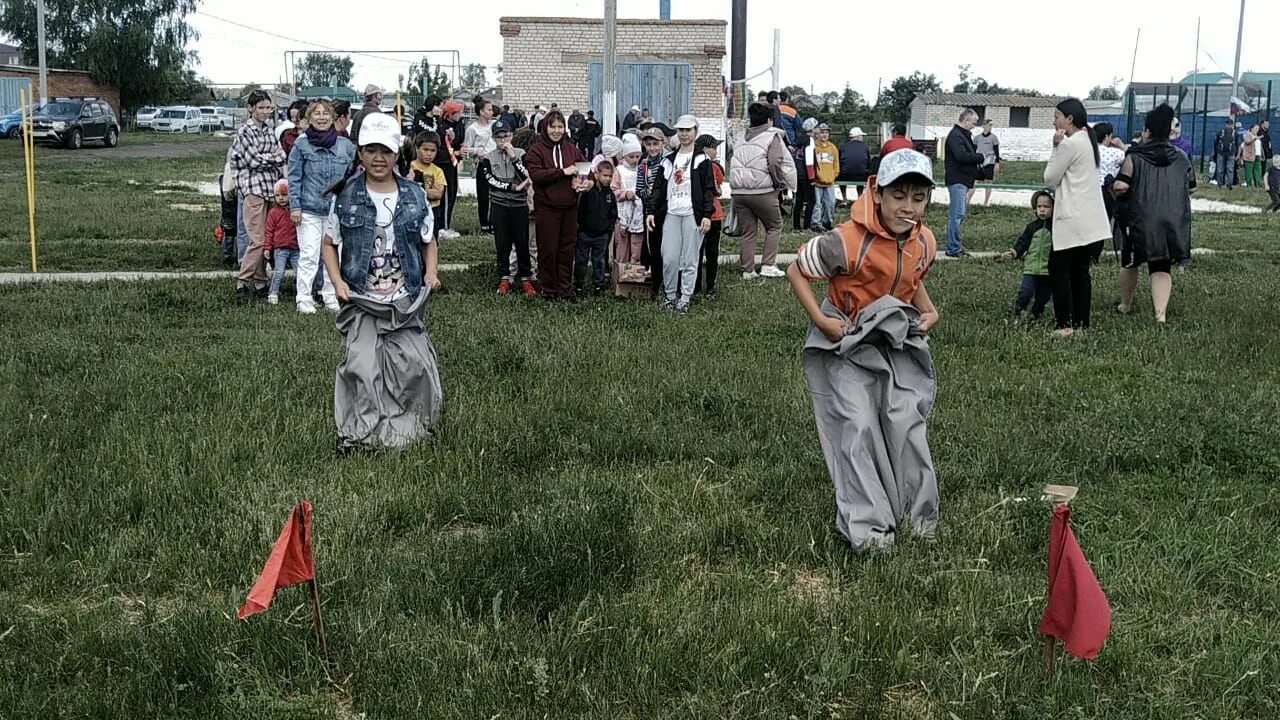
x: 333, y: 92
x: 1261, y: 79
x: 971, y: 100
x: 1205, y: 78
x: 600, y: 21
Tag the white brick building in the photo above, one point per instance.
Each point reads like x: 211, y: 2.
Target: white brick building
x: 669, y: 66
x: 1023, y: 124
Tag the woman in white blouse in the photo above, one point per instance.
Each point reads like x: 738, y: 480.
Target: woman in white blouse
x: 1079, y: 215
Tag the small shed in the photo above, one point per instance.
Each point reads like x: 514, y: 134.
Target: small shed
x: 1023, y: 123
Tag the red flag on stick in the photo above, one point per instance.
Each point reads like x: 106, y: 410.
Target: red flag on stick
x: 1077, y: 611
x: 289, y: 563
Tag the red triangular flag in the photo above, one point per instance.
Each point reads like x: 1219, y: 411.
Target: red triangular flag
x: 289, y: 563
x: 1077, y: 611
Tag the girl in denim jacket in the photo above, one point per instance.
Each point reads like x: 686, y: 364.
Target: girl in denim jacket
x: 378, y: 248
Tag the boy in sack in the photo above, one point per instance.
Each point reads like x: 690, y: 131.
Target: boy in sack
x: 502, y: 171
x: 630, y: 240
x: 1033, y: 247
x: 424, y: 170
x: 866, y: 356
x: 281, y: 244
x: 597, y: 223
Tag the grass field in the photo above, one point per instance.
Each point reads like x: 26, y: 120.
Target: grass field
x: 626, y: 513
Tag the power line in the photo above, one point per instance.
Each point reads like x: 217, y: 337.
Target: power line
x: 302, y: 42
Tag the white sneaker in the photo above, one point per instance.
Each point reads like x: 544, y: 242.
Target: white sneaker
x: 273, y: 299
x: 332, y: 307
x: 771, y: 271
x: 448, y: 234
x: 306, y: 309
x: 749, y: 276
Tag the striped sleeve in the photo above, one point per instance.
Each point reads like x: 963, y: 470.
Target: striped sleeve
x: 823, y: 257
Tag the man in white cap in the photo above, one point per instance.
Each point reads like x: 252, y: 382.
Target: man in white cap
x: 631, y: 120
x: 372, y: 104
x: 855, y: 162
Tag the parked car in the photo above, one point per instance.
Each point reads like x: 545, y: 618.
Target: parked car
x: 73, y: 121
x: 181, y: 119
x: 216, y: 118
x: 11, y: 124
x: 145, y: 116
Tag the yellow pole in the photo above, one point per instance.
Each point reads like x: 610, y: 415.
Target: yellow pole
x: 29, y: 150
x: 399, y: 111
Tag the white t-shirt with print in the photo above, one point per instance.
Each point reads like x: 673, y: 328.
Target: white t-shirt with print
x: 1109, y: 161
x: 680, y: 186
x: 385, y: 279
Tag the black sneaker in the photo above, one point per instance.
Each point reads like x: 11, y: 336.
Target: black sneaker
x: 711, y: 296
x: 244, y: 294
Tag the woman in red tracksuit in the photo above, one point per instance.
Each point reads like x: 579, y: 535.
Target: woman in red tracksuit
x: 550, y: 163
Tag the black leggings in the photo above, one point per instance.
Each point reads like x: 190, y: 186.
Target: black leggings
x: 451, y: 192
x: 511, y: 228
x: 482, y: 202
x: 710, y: 264
x: 1072, y: 286
x: 802, y: 208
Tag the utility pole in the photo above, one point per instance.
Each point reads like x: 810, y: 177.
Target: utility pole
x: 777, y: 58
x: 738, y: 58
x: 664, y: 9
x: 44, y: 67
x: 609, y: 121
x: 1235, y: 76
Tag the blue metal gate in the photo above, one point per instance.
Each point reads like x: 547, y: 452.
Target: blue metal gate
x: 664, y: 88
x: 9, y: 88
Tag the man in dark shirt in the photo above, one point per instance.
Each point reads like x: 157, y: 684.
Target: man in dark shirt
x: 855, y: 162
x: 963, y: 164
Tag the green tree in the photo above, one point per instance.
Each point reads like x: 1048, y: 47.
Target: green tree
x: 323, y: 70
x: 851, y: 101
x: 894, y: 103
x: 1111, y: 92
x: 136, y: 46
x: 429, y: 80
x: 474, y: 77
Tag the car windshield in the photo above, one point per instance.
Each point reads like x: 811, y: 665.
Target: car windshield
x: 174, y: 114
x: 207, y: 111
x: 62, y: 108
x: 147, y: 111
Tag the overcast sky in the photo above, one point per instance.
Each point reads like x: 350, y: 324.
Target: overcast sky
x: 1055, y: 48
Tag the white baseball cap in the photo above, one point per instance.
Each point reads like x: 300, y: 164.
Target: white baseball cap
x: 380, y: 129
x: 856, y: 132
x: 893, y: 166
x: 687, y: 122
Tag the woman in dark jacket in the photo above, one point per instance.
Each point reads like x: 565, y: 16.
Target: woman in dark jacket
x: 1154, y: 184
x: 556, y: 186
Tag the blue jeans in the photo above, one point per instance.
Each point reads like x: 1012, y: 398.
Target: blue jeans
x: 824, y: 207
x: 280, y: 257
x: 242, y: 233
x: 959, y: 205
x: 1033, y: 286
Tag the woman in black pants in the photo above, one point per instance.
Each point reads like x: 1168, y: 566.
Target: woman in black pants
x: 806, y: 196
x: 1079, y: 215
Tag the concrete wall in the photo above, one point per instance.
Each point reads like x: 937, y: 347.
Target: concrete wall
x: 67, y: 83
x: 1034, y: 143
x: 545, y: 60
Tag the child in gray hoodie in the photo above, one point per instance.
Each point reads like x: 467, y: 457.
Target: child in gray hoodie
x: 502, y: 170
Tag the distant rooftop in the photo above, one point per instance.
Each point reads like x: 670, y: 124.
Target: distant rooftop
x: 971, y: 100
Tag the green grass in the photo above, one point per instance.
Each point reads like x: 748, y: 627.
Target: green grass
x: 626, y: 514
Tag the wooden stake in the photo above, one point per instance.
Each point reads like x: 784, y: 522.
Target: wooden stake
x: 1050, y: 655
x: 316, y: 619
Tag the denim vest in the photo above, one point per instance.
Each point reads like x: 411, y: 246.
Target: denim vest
x: 357, y: 221
x: 312, y: 170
